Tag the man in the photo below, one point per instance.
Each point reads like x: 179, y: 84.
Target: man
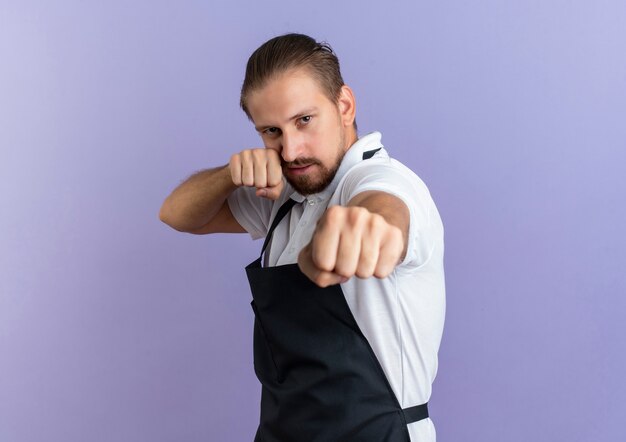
x: 349, y: 298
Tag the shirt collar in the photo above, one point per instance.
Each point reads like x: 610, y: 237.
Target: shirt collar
x: 353, y: 156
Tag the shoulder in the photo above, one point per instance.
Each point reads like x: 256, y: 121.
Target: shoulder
x: 388, y: 175
x: 382, y: 173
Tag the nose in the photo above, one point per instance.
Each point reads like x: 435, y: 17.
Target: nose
x: 291, y: 146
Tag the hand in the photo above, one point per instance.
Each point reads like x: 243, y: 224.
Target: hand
x: 260, y: 168
x: 351, y: 241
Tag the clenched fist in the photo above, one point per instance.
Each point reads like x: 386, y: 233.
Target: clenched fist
x: 260, y: 168
x: 351, y: 241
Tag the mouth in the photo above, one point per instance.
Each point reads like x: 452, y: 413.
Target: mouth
x: 299, y: 170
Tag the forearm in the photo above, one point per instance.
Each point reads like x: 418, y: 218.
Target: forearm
x: 198, y: 199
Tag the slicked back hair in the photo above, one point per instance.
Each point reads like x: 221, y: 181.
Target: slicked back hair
x: 292, y: 51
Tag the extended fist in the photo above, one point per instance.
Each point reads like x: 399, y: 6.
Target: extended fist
x: 260, y: 168
x: 351, y: 241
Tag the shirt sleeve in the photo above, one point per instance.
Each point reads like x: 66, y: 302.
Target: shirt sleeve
x: 390, y: 176
x: 250, y: 211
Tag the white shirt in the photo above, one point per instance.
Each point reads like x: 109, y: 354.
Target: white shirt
x: 401, y: 316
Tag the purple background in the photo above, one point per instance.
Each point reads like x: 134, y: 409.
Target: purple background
x: 114, y: 327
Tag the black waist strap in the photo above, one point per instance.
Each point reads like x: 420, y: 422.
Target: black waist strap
x: 416, y: 413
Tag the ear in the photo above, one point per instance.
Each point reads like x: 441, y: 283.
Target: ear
x: 347, y: 106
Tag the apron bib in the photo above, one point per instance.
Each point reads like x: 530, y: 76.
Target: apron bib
x: 321, y: 380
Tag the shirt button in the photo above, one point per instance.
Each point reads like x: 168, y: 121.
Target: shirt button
x: 311, y: 202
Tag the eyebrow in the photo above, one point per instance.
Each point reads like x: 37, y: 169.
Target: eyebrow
x: 301, y: 114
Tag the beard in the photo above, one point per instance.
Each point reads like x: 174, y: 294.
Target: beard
x: 305, y: 184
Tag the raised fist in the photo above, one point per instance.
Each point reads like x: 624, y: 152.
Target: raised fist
x: 260, y: 168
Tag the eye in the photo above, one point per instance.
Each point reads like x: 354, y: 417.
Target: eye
x: 272, y: 131
x: 306, y: 119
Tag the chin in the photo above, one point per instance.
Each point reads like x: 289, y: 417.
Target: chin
x: 305, y: 187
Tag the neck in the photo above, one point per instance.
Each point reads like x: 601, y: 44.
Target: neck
x: 351, y: 138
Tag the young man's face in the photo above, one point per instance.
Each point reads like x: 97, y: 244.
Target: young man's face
x: 310, y: 132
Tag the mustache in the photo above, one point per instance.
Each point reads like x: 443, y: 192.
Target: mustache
x: 299, y: 162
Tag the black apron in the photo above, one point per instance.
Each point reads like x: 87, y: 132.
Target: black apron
x: 321, y: 380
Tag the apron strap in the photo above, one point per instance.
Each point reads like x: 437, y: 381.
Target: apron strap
x: 287, y: 205
x: 416, y: 413
x: 284, y: 209
x: 370, y: 153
